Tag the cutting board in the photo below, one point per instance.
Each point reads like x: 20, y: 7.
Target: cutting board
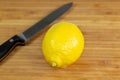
x: 99, y: 21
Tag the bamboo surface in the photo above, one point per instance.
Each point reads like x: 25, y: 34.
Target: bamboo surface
x: 99, y: 20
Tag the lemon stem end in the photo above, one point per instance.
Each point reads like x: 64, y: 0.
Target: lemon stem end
x: 54, y: 64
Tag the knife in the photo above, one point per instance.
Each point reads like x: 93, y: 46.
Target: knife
x: 22, y: 38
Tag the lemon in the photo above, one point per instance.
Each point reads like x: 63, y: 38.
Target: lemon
x: 63, y: 44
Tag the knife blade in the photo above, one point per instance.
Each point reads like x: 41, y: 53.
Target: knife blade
x: 25, y: 36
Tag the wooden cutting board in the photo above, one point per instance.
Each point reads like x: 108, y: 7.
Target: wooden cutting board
x: 99, y: 20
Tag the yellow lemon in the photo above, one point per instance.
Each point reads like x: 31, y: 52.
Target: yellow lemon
x: 62, y: 44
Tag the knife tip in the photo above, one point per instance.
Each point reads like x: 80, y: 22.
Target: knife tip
x: 70, y: 3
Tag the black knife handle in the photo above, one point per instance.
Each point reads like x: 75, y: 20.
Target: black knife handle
x: 9, y: 45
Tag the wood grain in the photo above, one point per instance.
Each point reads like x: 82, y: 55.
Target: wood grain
x: 99, y: 20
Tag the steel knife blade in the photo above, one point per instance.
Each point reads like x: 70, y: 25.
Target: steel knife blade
x: 25, y: 36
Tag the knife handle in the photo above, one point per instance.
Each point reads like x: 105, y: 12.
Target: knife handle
x: 9, y: 45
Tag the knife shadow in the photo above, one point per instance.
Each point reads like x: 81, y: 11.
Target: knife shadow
x: 10, y: 55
